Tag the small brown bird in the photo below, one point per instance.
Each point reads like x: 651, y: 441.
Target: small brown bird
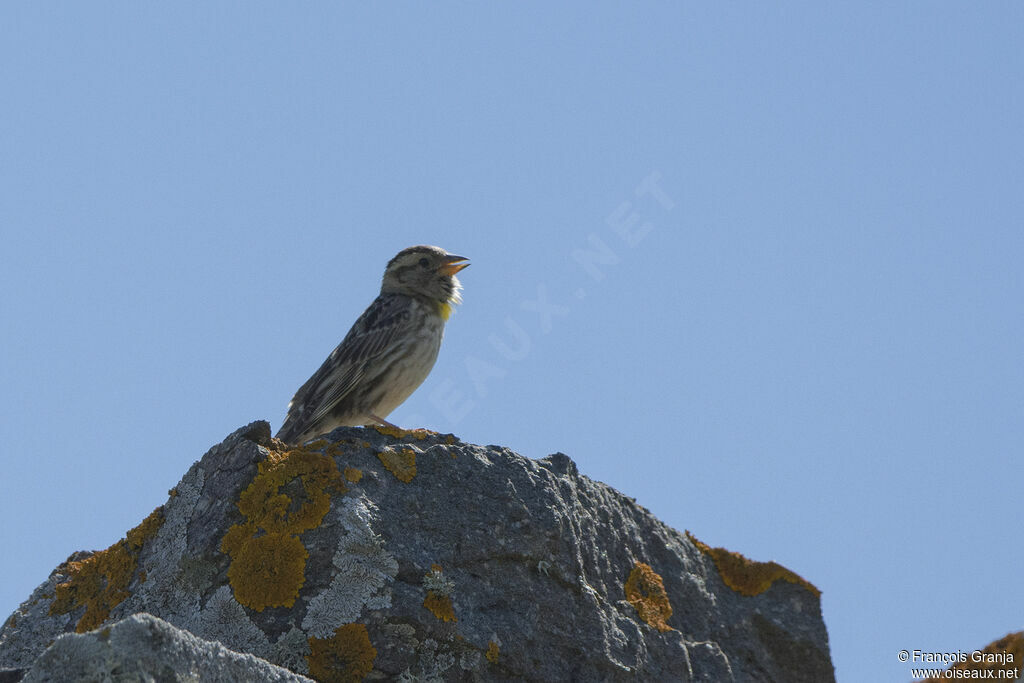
x: 388, y: 352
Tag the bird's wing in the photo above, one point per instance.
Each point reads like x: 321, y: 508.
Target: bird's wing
x: 386, y: 317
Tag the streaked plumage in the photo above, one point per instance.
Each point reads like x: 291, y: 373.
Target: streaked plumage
x: 388, y: 352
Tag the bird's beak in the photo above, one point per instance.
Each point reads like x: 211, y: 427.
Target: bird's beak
x: 453, y: 264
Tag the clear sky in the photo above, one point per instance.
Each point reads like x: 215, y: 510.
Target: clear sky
x: 758, y: 266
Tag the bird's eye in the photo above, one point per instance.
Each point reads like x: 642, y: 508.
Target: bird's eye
x: 424, y: 263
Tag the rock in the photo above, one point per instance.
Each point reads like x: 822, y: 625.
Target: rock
x: 385, y: 554
x: 999, y: 660
x: 144, y: 648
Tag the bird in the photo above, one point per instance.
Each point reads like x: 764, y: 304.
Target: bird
x: 388, y: 352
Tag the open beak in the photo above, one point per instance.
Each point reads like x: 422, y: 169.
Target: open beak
x: 453, y: 264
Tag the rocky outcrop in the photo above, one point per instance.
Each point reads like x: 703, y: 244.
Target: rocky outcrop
x: 378, y: 554
x: 144, y: 648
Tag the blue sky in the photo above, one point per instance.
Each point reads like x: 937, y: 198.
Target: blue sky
x: 805, y: 346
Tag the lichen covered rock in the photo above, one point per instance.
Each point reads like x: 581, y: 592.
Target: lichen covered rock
x: 144, y: 648
x: 379, y: 553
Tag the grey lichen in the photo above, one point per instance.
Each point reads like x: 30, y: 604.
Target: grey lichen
x: 470, y: 660
x: 224, y: 620
x: 435, y: 581
x: 291, y: 650
x: 177, y: 579
x: 363, y: 571
x: 169, y: 593
x: 433, y: 660
x: 30, y: 624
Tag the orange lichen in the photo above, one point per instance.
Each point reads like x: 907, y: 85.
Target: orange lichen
x: 353, y: 474
x: 268, y: 570
x: 136, y: 537
x: 492, y: 652
x: 268, y: 560
x: 100, y: 581
x: 346, y: 656
x: 440, y: 606
x: 439, y: 590
x: 745, y: 576
x: 1003, y: 658
x: 400, y: 433
x: 646, y: 592
x: 418, y: 434
x: 400, y: 462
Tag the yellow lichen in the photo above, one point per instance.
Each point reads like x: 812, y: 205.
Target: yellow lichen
x: 346, y: 656
x: 439, y: 590
x: 492, y: 652
x: 268, y: 560
x: 440, y: 606
x: 395, y: 432
x: 400, y: 462
x: 100, y: 581
x: 145, y: 531
x: 745, y: 576
x: 399, y: 433
x: 1003, y: 658
x: 353, y: 474
x: 268, y: 570
x: 646, y: 592
x: 418, y: 434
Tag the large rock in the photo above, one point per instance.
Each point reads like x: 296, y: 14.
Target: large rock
x: 144, y: 648
x: 385, y: 554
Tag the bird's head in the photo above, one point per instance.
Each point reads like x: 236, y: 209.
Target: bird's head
x: 425, y: 272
